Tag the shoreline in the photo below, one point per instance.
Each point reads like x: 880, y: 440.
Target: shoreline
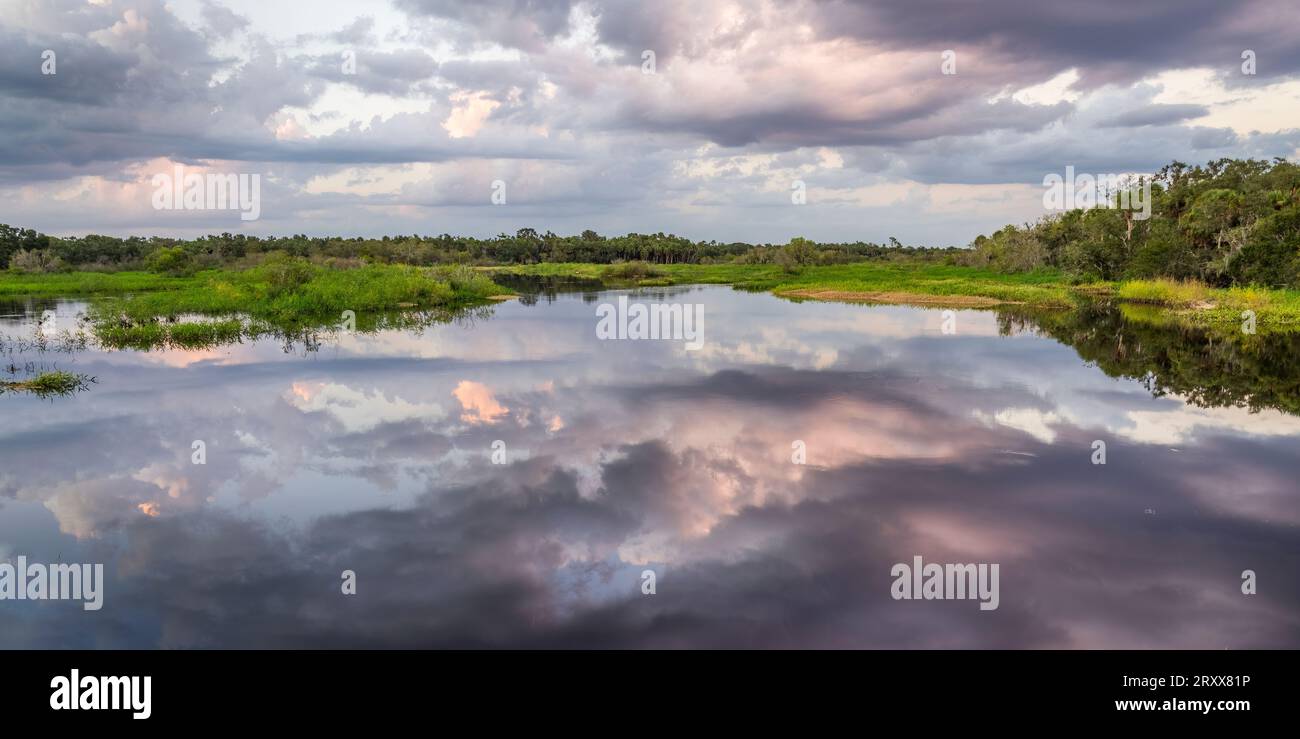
x: 878, y: 283
x: 936, y: 285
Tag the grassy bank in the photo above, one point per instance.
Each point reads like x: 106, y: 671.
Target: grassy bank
x: 934, y: 284
x: 72, y: 284
x: 299, y: 292
x: 139, y: 310
x: 1273, y: 309
x: 283, y: 296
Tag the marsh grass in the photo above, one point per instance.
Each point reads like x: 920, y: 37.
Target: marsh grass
x: 1164, y: 292
x: 63, y: 342
x: 288, y: 293
x: 1172, y: 302
x: 266, y: 293
x: 1196, y: 303
x: 48, y: 384
x: 283, y: 297
x: 184, y: 335
x: 88, y: 283
x: 640, y: 272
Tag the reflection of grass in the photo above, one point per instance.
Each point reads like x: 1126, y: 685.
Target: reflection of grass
x: 49, y: 384
x: 187, y: 335
x: 155, y: 334
x: 206, y: 333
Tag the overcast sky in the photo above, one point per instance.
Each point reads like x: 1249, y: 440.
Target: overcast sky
x: 553, y: 98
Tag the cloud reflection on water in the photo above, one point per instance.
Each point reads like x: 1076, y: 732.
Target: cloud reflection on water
x: 973, y: 447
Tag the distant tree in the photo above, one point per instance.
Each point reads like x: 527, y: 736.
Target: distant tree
x: 171, y: 260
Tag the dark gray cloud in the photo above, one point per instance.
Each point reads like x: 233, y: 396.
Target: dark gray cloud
x: 1109, y: 41
x: 1155, y: 114
x: 527, y: 24
x: 85, y: 73
x: 391, y: 73
x: 549, y: 95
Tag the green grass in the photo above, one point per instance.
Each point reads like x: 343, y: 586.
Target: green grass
x: 323, y: 294
x: 631, y: 271
x: 293, y: 293
x: 185, y: 335
x: 1164, y: 292
x: 49, y: 383
x: 1173, y: 302
x: 1198, y: 303
x: 70, y: 284
x: 205, y: 333
x: 139, y: 310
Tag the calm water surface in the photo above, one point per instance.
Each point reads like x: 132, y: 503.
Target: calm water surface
x: 373, y: 453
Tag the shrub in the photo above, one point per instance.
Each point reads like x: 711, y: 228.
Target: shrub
x: 630, y: 271
x: 285, y: 273
x: 799, y: 253
x: 1009, y: 250
x: 171, y: 260
x: 465, y: 279
x: 35, y: 261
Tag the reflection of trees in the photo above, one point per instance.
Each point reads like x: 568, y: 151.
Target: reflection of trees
x: 301, y: 338
x: 533, y: 288
x: 308, y: 339
x: 1209, y: 368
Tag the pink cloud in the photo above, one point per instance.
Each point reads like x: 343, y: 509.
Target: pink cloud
x: 479, y: 403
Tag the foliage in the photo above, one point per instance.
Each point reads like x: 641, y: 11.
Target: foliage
x: 525, y: 246
x: 171, y: 260
x: 285, y: 291
x: 1228, y: 223
x: 35, y: 261
x: 284, y: 273
x: 630, y: 271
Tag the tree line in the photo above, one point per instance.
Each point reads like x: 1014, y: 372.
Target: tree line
x: 1228, y: 222
x: 29, y: 251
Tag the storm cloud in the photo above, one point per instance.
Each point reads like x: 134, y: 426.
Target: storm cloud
x: 625, y: 116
